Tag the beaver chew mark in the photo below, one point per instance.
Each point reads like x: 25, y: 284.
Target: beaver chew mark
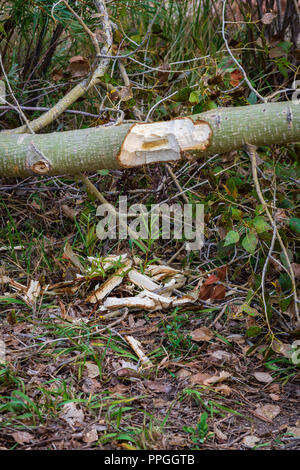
x: 163, y: 141
x: 40, y: 167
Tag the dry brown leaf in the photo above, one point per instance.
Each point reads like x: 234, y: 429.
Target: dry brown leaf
x: 202, y: 334
x: 79, y: 66
x: 220, y: 435
x: 236, y: 77
x: 224, y: 390
x: 223, y: 375
x: 69, y: 212
x: 277, y: 52
x: 268, y: 411
x: 220, y: 356
x: 57, y: 74
x: 90, y: 436
x: 218, y: 293
x: 263, y: 377
x: 163, y: 74
x: 199, y: 379
x: 296, y: 269
x: 22, y: 437
x: 250, y: 441
x: 183, y: 373
x: 268, y: 18
x: 159, y: 387
x: 72, y: 415
x: 295, y: 431
x: 100, y: 35
x: 92, y: 370
x: 125, y: 93
x: 275, y: 397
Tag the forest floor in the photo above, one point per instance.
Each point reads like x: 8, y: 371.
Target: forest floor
x: 213, y: 375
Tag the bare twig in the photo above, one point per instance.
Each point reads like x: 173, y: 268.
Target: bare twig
x: 251, y: 150
x: 234, y: 59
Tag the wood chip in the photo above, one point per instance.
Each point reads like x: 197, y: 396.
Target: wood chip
x: 141, y: 280
x: 109, y: 285
x: 136, y: 346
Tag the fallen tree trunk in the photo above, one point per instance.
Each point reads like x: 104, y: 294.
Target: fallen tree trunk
x: 131, y: 145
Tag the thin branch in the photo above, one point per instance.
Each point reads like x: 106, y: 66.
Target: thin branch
x: 85, y: 27
x: 234, y: 59
x: 80, y: 89
x: 251, y: 150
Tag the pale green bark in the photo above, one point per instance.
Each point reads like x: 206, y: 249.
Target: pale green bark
x: 85, y: 150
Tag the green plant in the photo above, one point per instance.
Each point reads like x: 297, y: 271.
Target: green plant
x: 199, y: 434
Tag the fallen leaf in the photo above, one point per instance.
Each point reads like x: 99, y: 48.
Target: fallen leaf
x: 22, y: 437
x: 160, y: 387
x: 221, y: 273
x: 202, y: 334
x: 207, y: 379
x: 163, y: 74
x: 218, y: 292
x: 79, y: 66
x: 224, y: 390
x: 90, y: 436
x: 199, y: 379
x: 263, y: 377
x: 92, y: 370
x: 69, y: 212
x: 205, y: 292
x: 296, y: 269
x: 71, y: 414
x: 220, y: 356
x: 250, y: 441
x: 220, y: 435
x: 183, y: 373
x: 212, y: 279
x: 268, y: 18
x: 268, y: 411
x: 223, y: 375
x: 235, y: 77
x: 274, y: 397
x: 57, y: 75
x: 295, y: 431
x: 125, y: 93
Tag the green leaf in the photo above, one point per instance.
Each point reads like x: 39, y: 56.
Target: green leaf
x: 249, y: 243
x: 232, y: 237
x: 252, y: 98
x: 11, y: 300
x: 211, y: 105
x: 285, y: 282
x: 183, y: 95
x: 194, y: 97
x: 236, y: 213
x: 284, y: 260
x: 261, y: 225
x: 250, y: 310
x: 253, y: 331
x: 294, y: 225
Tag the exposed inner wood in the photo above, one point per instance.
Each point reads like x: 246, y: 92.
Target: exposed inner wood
x: 163, y: 141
